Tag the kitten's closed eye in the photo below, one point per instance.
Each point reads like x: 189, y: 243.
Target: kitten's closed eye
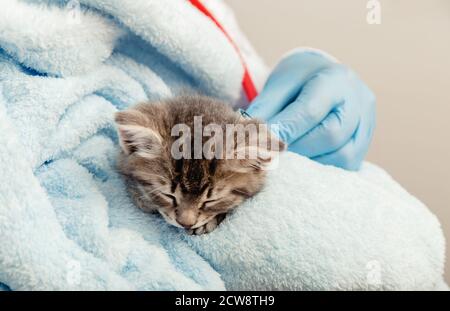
x: 242, y: 192
x: 209, y: 203
x: 223, y: 205
x: 172, y: 198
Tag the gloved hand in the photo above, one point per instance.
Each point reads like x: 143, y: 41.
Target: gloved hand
x: 322, y: 109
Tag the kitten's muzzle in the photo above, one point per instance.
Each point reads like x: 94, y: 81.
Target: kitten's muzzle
x: 187, y: 218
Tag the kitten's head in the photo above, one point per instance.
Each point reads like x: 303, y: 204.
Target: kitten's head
x: 187, y: 192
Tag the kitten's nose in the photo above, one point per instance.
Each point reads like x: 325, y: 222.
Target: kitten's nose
x: 185, y: 226
x: 187, y: 219
x: 186, y: 223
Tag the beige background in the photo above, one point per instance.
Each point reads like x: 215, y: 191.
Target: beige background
x: 405, y: 60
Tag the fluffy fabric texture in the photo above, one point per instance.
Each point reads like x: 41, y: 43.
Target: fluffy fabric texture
x: 66, y: 221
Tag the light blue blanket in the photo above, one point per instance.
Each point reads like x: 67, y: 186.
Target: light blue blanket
x: 66, y: 221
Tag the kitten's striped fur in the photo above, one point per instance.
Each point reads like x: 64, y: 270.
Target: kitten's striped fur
x: 191, y: 193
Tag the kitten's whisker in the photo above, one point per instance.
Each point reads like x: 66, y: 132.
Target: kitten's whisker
x: 155, y: 190
x: 149, y: 194
x: 153, y: 175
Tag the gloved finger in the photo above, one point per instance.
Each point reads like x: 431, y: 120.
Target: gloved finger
x: 329, y: 135
x: 318, y: 98
x: 351, y: 155
x: 285, y: 83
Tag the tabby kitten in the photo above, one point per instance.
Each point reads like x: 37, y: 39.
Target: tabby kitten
x: 191, y: 193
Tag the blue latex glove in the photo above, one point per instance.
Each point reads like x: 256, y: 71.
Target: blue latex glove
x: 323, y: 110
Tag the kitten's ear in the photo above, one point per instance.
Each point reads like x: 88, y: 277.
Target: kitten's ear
x: 256, y: 156
x: 136, y: 138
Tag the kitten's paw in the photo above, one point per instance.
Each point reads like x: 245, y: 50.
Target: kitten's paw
x: 208, y: 227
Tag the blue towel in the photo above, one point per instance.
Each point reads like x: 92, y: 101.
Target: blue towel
x: 67, y: 222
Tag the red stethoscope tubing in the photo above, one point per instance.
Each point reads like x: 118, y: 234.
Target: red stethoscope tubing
x: 247, y: 82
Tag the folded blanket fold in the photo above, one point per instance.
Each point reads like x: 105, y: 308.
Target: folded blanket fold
x: 67, y: 222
